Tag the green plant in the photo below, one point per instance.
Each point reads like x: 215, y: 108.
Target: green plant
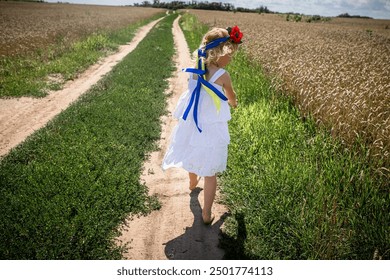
x: 297, y: 18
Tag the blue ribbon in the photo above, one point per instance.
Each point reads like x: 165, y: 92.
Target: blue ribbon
x: 216, y: 42
x: 194, y: 101
x: 212, y: 44
x: 195, y: 95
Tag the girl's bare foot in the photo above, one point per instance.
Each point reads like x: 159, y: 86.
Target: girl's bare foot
x: 194, y: 180
x: 208, y: 218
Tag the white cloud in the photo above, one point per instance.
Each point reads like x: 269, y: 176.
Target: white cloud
x: 357, y: 3
x: 386, y: 4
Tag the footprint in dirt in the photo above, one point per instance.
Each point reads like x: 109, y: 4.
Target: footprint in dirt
x: 198, y: 242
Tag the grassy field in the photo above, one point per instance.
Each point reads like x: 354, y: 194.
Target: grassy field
x: 335, y: 71
x: 75, y: 37
x: 26, y: 27
x: 293, y: 191
x: 65, y: 191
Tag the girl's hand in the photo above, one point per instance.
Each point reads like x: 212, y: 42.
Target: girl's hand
x: 233, y: 103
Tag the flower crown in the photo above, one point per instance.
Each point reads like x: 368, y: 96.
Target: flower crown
x: 235, y: 34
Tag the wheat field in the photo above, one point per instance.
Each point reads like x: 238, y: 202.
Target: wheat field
x: 338, y: 71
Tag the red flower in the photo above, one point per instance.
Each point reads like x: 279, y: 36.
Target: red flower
x: 235, y: 34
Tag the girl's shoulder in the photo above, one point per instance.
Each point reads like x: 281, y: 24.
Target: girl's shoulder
x: 223, y: 77
x: 216, y: 74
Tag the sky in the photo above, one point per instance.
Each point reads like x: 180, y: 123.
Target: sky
x: 379, y: 9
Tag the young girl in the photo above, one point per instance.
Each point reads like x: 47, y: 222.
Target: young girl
x: 200, y: 139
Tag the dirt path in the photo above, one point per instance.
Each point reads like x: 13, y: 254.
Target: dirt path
x: 176, y: 231
x: 20, y: 117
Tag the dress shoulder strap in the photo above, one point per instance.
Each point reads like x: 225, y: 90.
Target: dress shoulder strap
x: 217, y: 74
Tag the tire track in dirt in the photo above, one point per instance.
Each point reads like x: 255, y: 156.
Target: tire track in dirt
x: 20, y: 117
x: 176, y: 231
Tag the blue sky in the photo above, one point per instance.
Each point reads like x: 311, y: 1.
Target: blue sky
x: 373, y: 8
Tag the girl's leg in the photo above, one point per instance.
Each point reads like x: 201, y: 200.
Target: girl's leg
x: 210, y: 187
x: 193, y: 180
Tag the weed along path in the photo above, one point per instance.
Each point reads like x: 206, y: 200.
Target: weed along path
x: 176, y: 230
x: 20, y: 117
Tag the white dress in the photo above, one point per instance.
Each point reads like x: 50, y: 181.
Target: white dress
x: 203, y: 153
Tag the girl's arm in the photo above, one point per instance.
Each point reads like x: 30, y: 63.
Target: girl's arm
x: 228, y: 89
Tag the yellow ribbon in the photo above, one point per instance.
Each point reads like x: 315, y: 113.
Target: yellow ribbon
x: 216, y: 99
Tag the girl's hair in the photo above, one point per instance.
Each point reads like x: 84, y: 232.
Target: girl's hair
x: 225, y: 48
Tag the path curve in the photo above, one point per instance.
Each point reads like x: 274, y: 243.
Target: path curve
x: 176, y: 231
x: 20, y: 117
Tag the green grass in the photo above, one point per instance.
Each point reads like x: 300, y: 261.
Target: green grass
x: 28, y: 75
x: 193, y: 31
x: 293, y: 191
x: 66, y: 190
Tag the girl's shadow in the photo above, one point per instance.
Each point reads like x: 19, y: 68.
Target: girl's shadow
x: 198, y: 242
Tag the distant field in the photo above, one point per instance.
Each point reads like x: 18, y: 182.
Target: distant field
x: 338, y: 71
x: 30, y: 26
